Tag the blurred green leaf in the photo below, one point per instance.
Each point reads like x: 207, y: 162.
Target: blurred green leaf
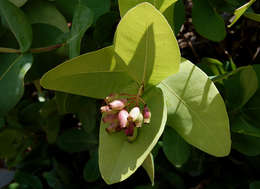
x: 99, y: 7
x: 52, y: 179
x: 17, y: 23
x: 196, y: 110
x: 82, y: 20
x: 255, y: 185
x: 252, y: 16
x: 148, y: 165
x: 175, y: 148
x: 39, y: 11
x: 211, y: 66
x: 91, y: 171
x: 18, y: 3
x: 207, y: 22
x: 28, y: 180
x: 12, y: 71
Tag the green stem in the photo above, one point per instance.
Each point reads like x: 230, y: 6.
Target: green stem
x: 9, y: 50
x: 225, y: 76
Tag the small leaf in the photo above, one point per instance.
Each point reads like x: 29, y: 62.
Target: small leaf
x: 75, y: 140
x: 148, y: 165
x: 211, y: 66
x: 196, y: 110
x: 240, y: 11
x: 175, y: 148
x: 161, y: 5
x: 252, y: 16
x: 118, y: 159
x: 95, y: 74
x: 207, y: 22
x: 91, y: 172
x: 82, y: 20
x: 12, y: 71
x: 43, y: 12
x: 145, y: 42
x: 17, y: 23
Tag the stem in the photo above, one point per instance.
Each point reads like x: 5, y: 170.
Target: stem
x: 225, y: 76
x: 9, y: 50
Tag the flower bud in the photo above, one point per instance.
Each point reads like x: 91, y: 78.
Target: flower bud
x: 112, y: 128
x: 105, y: 109
x: 109, y: 118
x: 122, y: 118
x: 133, y: 137
x: 139, y: 120
x: 129, y: 131
x: 147, y: 114
x: 110, y: 98
x: 134, y: 113
x: 118, y: 104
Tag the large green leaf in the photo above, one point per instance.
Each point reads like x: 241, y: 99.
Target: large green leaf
x: 145, y: 42
x: 39, y: 11
x: 148, y: 165
x: 175, y: 148
x: 12, y: 71
x: 94, y: 74
x: 207, y: 22
x: 82, y: 20
x: 161, y: 5
x: 18, y: 24
x: 99, y: 7
x: 118, y: 159
x: 196, y: 110
x: 240, y: 11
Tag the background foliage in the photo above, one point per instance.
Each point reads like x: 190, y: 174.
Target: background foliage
x: 50, y: 139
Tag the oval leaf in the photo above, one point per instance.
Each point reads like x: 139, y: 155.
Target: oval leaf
x: 145, y: 42
x: 95, y: 74
x: 118, y: 159
x: 196, y: 110
x: 207, y: 22
x: 17, y: 23
x: 148, y: 165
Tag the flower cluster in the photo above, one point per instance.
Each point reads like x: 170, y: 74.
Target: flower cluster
x: 125, y: 114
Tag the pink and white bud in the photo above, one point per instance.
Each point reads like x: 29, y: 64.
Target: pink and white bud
x: 147, y: 114
x: 118, y: 104
x: 109, y: 118
x: 134, y: 113
x: 139, y: 120
x: 122, y: 118
x: 129, y: 131
x: 105, y: 109
x: 112, y: 128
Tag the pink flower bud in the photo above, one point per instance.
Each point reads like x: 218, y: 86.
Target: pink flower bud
x: 112, y: 128
x: 147, y: 114
x: 105, y: 109
x: 118, y: 104
x: 122, y: 118
x: 134, y: 113
x: 139, y: 120
x: 129, y: 131
x: 110, y: 118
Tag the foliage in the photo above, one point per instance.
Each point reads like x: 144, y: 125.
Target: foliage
x: 204, y: 106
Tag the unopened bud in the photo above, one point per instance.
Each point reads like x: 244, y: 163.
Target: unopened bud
x: 133, y: 137
x: 110, y: 98
x: 122, y: 118
x: 129, y: 131
x: 109, y: 118
x: 147, y: 114
x: 112, y: 127
x: 118, y: 104
x: 139, y: 120
x: 105, y: 109
x: 134, y: 113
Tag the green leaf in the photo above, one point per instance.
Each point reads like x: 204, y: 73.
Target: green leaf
x: 161, y: 5
x: 52, y: 128
x: 196, y: 110
x: 145, y: 42
x: 245, y: 144
x: 91, y: 172
x: 17, y: 23
x: 118, y: 159
x: 28, y: 180
x: 211, y: 66
x: 43, y: 12
x: 254, y: 185
x: 240, y: 11
x: 12, y: 71
x: 252, y: 16
x: 148, y: 165
x: 75, y: 140
x: 207, y: 22
x: 252, y: 108
x: 82, y: 20
x: 175, y: 148
x: 95, y: 74
x: 178, y: 16
x: 18, y: 3
x: 2, y: 122
x: 238, y: 92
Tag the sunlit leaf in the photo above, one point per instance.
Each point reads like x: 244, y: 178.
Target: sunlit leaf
x: 148, y: 165
x: 252, y: 16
